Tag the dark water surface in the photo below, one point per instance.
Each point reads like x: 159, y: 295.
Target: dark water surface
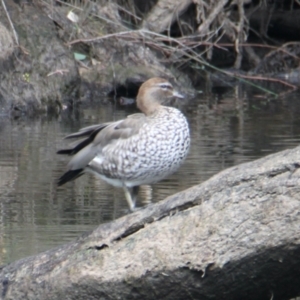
x: 227, y: 129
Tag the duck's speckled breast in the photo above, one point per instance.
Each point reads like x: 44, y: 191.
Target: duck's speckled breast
x: 158, y: 149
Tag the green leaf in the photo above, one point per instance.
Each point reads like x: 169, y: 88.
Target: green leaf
x: 79, y: 56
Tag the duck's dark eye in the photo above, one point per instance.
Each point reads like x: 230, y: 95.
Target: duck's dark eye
x: 166, y: 86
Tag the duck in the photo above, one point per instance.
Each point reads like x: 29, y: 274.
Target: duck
x: 141, y: 149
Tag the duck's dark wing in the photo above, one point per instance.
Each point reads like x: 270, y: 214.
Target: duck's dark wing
x: 90, y: 131
x: 86, y: 131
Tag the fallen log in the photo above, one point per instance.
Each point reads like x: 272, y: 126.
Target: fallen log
x: 235, y: 236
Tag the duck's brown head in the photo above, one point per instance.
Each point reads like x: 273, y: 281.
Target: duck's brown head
x: 153, y: 93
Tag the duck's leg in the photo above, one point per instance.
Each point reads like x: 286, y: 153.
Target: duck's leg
x: 128, y: 196
x: 131, y: 195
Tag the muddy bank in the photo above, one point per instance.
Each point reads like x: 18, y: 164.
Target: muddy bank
x: 39, y: 72
x: 56, y: 53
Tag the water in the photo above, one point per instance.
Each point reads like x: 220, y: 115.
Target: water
x: 227, y: 129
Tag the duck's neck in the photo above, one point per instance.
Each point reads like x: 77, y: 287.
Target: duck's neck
x: 148, y: 107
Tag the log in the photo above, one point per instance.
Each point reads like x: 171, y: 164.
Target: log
x: 235, y: 236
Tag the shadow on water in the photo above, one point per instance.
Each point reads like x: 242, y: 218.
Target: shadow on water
x: 227, y: 128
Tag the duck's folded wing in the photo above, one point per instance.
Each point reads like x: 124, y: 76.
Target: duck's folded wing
x: 87, y: 150
x: 89, y: 132
x: 101, y: 136
x: 121, y: 130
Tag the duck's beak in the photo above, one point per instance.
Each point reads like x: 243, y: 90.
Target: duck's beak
x: 177, y: 95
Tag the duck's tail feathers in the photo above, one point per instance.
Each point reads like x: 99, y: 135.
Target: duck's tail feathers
x: 65, y: 151
x: 69, y: 175
x: 82, y: 144
x: 77, y: 148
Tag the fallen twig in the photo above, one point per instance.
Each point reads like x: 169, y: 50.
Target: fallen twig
x: 10, y: 23
x: 60, y: 71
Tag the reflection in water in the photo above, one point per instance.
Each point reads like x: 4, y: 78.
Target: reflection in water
x: 226, y: 130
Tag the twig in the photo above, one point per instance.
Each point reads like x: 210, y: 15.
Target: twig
x: 60, y: 71
x: 10, y: 23
x: 129, y: 13
x: 99, y: 38
x: 262, y: 78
